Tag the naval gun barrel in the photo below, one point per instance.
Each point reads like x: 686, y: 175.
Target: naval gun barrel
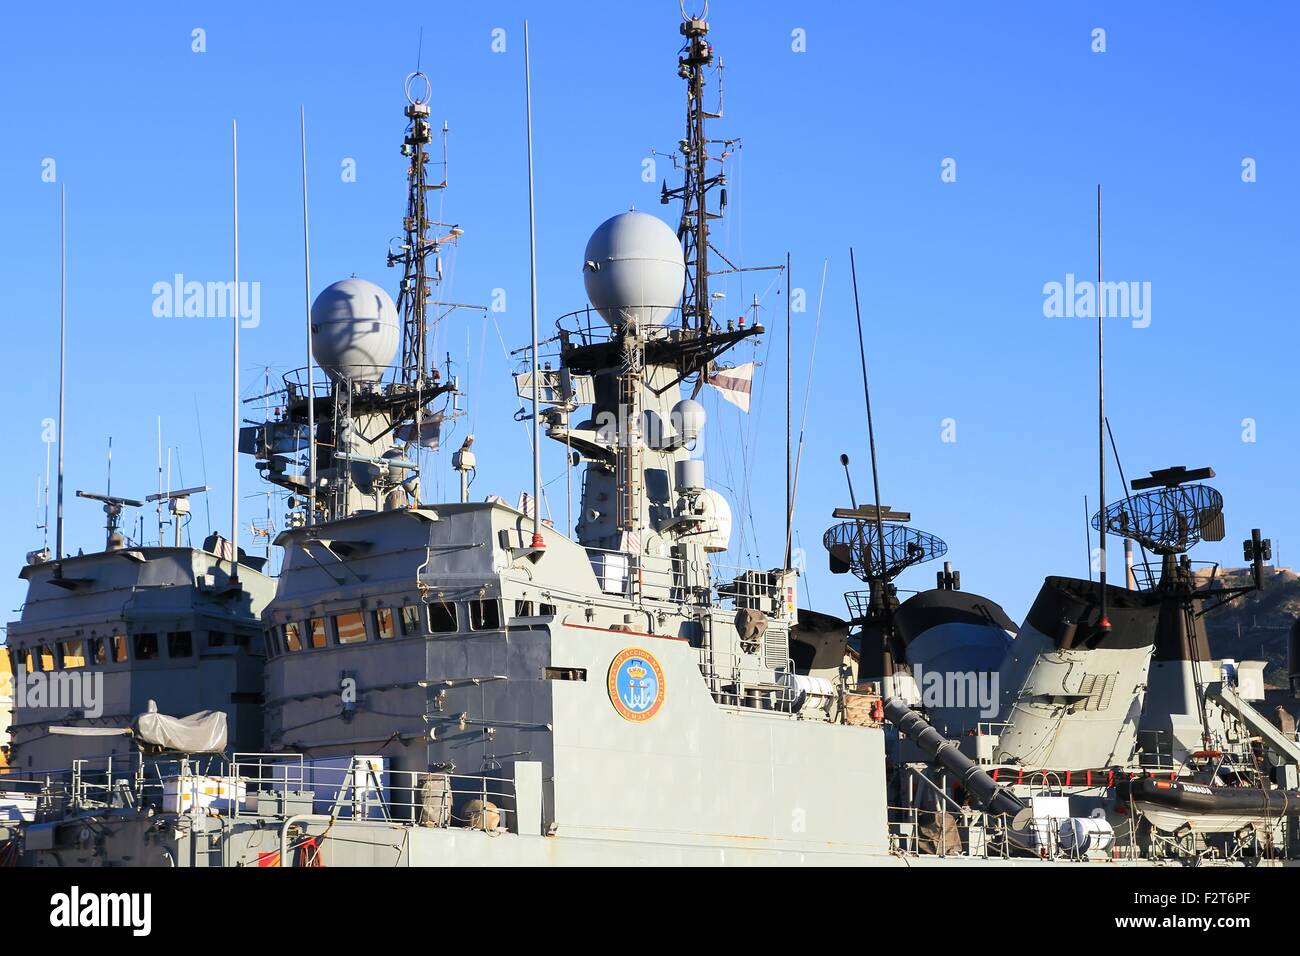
x: 942, y: 751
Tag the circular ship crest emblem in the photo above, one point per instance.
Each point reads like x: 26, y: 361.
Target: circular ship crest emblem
x: 636, y: 684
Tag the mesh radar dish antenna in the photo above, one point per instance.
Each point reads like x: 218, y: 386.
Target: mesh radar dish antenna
x: 876, y: 544
x: 1172, y: 511
x: 856, y: 543
x: 1168, y: 520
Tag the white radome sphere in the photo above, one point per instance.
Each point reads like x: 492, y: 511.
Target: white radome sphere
x: 355, y: 330
x: 688, y: 418
x: 633, y: 269
x: 717, y: 521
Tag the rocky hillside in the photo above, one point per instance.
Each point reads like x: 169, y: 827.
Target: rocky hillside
x: 1255, y: 627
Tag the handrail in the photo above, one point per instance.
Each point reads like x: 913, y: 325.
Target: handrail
x: 728, y: 586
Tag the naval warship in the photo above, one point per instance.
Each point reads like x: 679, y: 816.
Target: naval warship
x: 462, y: 683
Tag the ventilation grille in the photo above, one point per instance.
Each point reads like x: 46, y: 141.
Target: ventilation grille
x: 1097, y: 690
x: 776, y: 648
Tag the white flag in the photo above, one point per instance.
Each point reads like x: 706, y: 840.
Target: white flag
x: 430, y: 431
x: 734, y: 384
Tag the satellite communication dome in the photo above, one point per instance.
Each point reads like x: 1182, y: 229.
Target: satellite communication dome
x: 355, y: 330
x: 688, y: 418
x: 633, y: 269
x: 717, y: 521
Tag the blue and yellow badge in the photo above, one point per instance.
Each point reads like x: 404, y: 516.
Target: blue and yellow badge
x: 636, y: 684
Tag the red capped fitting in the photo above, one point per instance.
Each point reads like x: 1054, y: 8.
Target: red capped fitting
x: 539, y: 543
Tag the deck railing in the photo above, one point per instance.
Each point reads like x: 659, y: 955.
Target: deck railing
x: 361, y: 788
x: 634, y: 576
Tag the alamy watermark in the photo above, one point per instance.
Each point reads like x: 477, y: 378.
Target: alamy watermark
x: 1078, y: 299
x: 191, y: 299
x: 977, y: 690
x: 77, y: 908
x: 617, y: 428
x: 81, y: 690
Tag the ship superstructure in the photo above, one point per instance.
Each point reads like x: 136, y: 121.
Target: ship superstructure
x: 1113, y: 712
x: 135, y: 628
x: 448, y: 639
x: 462, y: 683
x: 103, y: 635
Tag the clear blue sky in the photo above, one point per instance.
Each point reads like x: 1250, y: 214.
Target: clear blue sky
x: 843, y: 145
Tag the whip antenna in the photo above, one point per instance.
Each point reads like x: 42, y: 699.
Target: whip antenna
x: 871, y: 431
x: 63, y: 327
x: 1104, y: 623
x: 538, y: 542
x: 306, y: 267
x: 234, y: 404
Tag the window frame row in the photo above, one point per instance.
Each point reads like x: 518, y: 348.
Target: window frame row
x: 353, y: 626
x: 111, y: 650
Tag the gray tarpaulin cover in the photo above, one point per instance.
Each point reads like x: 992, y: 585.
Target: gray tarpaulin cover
x: 201, y: 733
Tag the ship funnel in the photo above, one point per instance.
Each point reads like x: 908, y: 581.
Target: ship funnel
x: 633, y: 270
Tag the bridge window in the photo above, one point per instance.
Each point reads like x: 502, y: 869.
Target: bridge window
x: 442, y: 618
x: 293, y: 636
x: 484, y: 615
x: 546, y: 610
x: 565, y: 673
x: 48, y: 657
x: 384, y: 624
x: 523, y: 609
x: 410, y: 620
x: 180, y: 644
x: 146, y: 647
x: 29, y: 659
x: 74, y: 653
x: 99, y: 651
x: 119, y: 648
x: 350, y: 627
x: 316, y: 632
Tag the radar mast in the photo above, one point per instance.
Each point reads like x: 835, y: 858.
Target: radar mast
x: 375, y: 414
x: 418, y: 245
x: 693, y: 231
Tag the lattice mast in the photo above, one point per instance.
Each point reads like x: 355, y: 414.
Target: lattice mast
x: 418, y: 243
x: 693, y: 230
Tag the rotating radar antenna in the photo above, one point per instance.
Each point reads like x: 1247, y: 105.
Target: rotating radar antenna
x: 1171, y: 512
x: 875, y: 543
x: 856, y: 545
